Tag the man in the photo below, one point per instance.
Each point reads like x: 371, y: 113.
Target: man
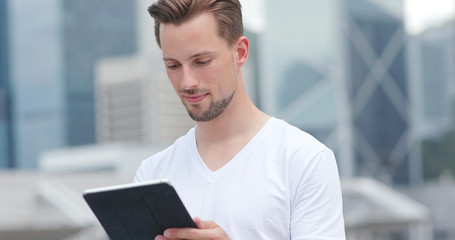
x: 251, y: 176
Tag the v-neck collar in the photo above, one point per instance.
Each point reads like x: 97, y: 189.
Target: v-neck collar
x: 239, y: 157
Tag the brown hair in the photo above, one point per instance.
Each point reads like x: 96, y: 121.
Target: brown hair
x: 228, y: 15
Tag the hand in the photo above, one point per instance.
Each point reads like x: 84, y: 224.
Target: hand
x: 206, y: 230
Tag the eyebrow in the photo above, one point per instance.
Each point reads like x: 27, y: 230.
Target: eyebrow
x: 203, y: 53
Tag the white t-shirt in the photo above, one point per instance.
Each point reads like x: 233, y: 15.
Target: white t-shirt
x: 283, y: 184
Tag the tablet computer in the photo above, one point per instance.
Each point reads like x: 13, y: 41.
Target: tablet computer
x: 138, y: 210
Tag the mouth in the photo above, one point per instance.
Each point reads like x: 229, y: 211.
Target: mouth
x: 195, y: 98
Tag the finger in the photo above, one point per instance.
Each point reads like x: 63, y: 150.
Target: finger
x: 179, y: 233
x: 189, y: 233
x: 207, y: 225
x: 192, y: 233
x: 160, y: 237
x: 198, y: 222
x: 204, y: 224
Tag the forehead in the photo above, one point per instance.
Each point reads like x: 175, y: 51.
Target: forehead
x: 199, y: 33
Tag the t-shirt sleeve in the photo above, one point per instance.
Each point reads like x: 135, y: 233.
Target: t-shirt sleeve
x: 316, y: 202
x: 139, y: 177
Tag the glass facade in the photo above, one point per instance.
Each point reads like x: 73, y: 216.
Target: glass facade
x: 92, y: 30
x: 435, y: 74
x: 49, y: 83
x: 35, y: 80
x: 5, y: 115
x: 377, y: 89
x: 300, y: 64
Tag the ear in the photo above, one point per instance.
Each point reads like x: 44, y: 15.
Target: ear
x: 242, y: 46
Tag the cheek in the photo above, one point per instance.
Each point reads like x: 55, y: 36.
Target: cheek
x: 174, y: 79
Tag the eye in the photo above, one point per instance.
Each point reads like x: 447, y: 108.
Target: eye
x: 172, y: 66
x: 203, y: 62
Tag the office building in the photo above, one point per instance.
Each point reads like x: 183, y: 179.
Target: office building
x: 5, y: 103
x: 137, y: 105
x: 135, y: 101
x: 431, y: 61
x: 92, y: 30
x: 378, y: 91
x: 52, y: 46
x: 35, y: 89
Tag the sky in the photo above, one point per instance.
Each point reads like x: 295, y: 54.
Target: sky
x: 254, y: 14
x: 419, y: 14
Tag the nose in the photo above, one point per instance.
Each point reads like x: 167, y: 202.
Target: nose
x: 189, y: 79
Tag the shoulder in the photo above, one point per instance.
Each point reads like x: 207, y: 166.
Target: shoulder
x: 303, y: 154
x: 295, y: 140
x: 159, y: 162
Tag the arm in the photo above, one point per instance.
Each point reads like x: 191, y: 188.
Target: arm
x: 316, y: 204
x: 207, y: 230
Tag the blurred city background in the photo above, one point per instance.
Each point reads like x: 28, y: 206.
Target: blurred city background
x: 84, y: 98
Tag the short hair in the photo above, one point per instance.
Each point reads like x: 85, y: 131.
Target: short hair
x: 227, y: 13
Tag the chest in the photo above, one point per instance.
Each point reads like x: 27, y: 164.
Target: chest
x: 249, y: 201
x: 217, y: 155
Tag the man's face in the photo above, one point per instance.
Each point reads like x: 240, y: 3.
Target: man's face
x: 200, y: 65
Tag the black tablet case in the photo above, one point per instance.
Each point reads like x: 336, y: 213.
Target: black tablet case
x: 139, y: 212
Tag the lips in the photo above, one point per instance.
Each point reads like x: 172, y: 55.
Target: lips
x: 195, y: 98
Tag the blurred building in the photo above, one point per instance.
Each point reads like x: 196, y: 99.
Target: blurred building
x: 337, y: 69
x: 432, y: 61
x: 92, y: 30
x: 374, y: 211
x: 35, y: 80
x: 135, y: 104
x: 5, y: 103
x: 48, y: 82
x: 50, y: 207
x: 437, y: 196
x: 135, y: 101
x: 378, y: 91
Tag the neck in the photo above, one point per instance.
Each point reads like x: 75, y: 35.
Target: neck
x: 240, y: 118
